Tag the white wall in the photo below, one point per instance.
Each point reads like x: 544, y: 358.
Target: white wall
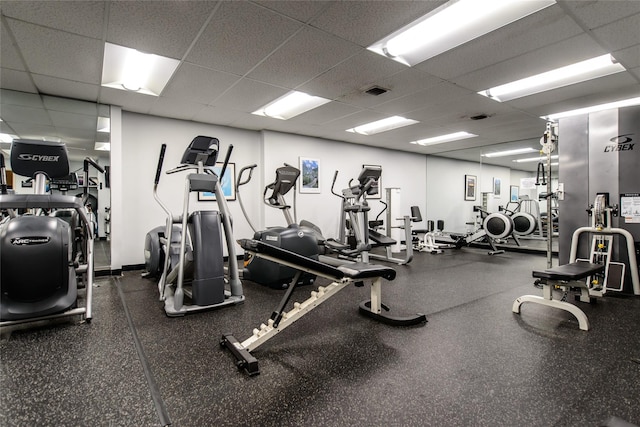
x: 399, y: 169
x: 435, y: 184
x: 142, y: 137
x: 445, y: 190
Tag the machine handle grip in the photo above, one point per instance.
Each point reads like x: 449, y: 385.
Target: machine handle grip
x: 3, y: 177
x: 89, y: 161
x: 226, y: 161
x: 333, y: 183
x: 240, y: 182
x: 160, y: 162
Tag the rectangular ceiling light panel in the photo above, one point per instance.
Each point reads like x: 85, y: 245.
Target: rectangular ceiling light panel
x: 383, y: 125
x: 592, y: 109
x: 571, y: 74
x: 451, y: 25
x: 511, y: 152
x: 290, y: 105
x: 128, y: 69
x: 456, y: 136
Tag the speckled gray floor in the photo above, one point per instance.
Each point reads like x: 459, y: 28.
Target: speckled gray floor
x: 474, y: 364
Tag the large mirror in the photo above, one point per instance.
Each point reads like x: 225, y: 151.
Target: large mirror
x: 525, y: 190
x: 84, y: 128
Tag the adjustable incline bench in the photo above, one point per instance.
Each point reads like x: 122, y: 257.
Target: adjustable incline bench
x: 342, y: 275
x: 565, y: 276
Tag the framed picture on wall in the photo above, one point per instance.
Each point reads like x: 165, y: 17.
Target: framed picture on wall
x: 496, y: 187
x: 226, y: 182
x: 470, y: 187
x: 378, y: 195
x: 309, y: 175
x: 515, y: 193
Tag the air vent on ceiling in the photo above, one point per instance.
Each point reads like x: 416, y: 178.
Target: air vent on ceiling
x: 376, y: 90
x: 479, y: 117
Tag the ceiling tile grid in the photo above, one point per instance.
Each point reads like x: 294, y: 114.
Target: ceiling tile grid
x: 236, y: 56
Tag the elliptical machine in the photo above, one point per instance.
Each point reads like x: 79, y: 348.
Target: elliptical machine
x: 37, y: 238
x: 293, y: 237
x: 198, y: 273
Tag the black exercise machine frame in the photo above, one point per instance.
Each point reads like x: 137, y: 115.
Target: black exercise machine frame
x: 342, y: 275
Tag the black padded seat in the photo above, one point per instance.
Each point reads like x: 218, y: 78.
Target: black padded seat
x: 360, y: 270
x: 350, y: 270
x: 567, y: 272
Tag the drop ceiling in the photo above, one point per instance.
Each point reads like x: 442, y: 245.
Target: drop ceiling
x: 236, y: 56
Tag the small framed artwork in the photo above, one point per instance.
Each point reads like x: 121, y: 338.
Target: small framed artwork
x: 378, y: 194
x: 309, y: 175
x: 226, y: 182
x: 515, y: 193
x: 470, y: 187
x: 496, y: 187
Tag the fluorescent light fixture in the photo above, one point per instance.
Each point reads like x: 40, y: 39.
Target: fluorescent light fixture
x: 586, y: 110
x: 534, y: 159
x: 102, y: 146
x: 128, y: 69
x: 291, y: 105
x: 454, y: 23
x: 382, y: 125
x: 104, y: 124
x: 575, y: 73
x: 511, y: 152
x: 444, y: 138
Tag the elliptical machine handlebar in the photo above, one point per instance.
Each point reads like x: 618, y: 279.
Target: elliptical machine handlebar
x: 239, y: 181
x: 163, y: 149
x: 226, y: 162
x: 3, y: 175
x: 333, y: 183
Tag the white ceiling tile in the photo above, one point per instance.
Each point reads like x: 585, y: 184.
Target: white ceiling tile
x: 59, y: 54
x: 303, y: 57
x: 621, y: 34
x: 362, y: 70
x: 178, y: 108
x: 248, y: 96
x: 129, y: 101
x: 299, y: 10
x: 629, y: 57
x: 9, y: 57
x: 540, y: 29
x: 198, y: 84
x: 66, y: 88
x: 366, y: 22
x: 563, y: 53
x: 17, y: 80
x: 63, y: 119
x: 326, y: 113
x: 85, y: 17
x: 162, y: 27
x: 20, y: 114
x: 53, y: 103
x: 239, y: 36
x: 607, y: 84
x: 594, y: 14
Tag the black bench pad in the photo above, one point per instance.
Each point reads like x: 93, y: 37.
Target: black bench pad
x: 573, y: 271
x: 350, y: 270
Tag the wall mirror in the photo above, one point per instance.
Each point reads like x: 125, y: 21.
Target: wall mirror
x: 85, y: 129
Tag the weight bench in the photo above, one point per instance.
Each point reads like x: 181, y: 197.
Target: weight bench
x: 565, y: 276
x: 341, y: 275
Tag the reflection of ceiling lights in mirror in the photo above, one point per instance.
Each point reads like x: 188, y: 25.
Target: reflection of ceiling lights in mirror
x: 102, y: 146
x: 511, y: 152
x: 564, y: 76
x: 452, y: 24
x: 592, y: 109
x: 104, y: 124
x: 534, y: 159
x: 290, y: 105
x: 456, y: 136
x: 128, y: 69
x: 382, y: 125
x: 5, y: 137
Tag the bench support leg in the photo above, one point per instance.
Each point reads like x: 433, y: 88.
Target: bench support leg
x: 375, y: 309
x: 547, y: 299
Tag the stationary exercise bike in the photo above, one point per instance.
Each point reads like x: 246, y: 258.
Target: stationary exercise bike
x: 293, y: 237
x: 198, y: 274
x: 39, y: 274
